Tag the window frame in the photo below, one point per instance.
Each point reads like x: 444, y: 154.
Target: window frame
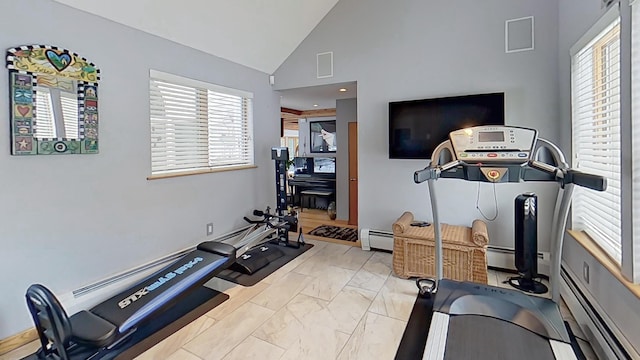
x: 629, y: 267
x: 598, y: 98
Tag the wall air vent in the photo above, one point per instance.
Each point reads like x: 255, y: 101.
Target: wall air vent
x: 324, y: 65
x: 519, y: 34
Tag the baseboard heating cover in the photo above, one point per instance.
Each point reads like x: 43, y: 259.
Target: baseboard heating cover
x: 376, y: 239
x: 504, y: 258
x: 605, y: 338
x: 91, y: 294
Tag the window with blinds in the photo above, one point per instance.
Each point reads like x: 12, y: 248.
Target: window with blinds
x: 196, y: 126
x: 595, y: 72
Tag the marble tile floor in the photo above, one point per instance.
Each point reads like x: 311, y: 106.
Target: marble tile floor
x: 332, y: 302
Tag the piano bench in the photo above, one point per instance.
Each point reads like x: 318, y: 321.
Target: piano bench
x: 315, y: 199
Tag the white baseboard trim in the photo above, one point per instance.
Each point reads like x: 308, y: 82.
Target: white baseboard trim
x: 92, y: 294
x: 504, y: 258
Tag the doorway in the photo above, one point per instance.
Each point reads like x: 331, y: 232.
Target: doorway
x: 312, y: 105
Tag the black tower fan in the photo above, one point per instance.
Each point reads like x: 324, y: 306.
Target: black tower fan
x: 526, y: 241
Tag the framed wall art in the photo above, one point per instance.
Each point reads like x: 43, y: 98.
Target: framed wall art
x: 322, y: 135
x: 54, y: 101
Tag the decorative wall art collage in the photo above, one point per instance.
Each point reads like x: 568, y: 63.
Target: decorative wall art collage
x: 54, y: 101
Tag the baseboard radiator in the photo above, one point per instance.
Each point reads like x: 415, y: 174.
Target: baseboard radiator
x: 497, y: 256
x: 92, y: 294
x: 605, y: 338
x: 376, y: 239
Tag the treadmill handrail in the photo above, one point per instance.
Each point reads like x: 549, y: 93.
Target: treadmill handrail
x: 544, y: 167
x: 433, y: 173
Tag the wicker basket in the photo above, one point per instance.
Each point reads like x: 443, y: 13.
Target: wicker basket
x: 464, y: 250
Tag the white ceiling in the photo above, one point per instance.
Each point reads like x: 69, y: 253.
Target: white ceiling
x: 259, y: 34
x: 324, y: 96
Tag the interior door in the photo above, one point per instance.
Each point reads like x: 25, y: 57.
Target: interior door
x: 353, y: 173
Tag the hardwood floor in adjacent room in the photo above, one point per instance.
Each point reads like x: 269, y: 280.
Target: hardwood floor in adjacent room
x: 309, y: 219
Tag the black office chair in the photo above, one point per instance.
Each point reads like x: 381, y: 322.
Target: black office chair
x: 58, y: 333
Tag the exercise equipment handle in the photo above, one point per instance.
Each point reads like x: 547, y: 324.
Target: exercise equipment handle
x: 543, y: 167
x: 423, y: 175
x: 594, y: 182
x: 433, y: 172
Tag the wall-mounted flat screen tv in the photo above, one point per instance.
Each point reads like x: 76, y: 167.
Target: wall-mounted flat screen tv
x: 416, y: 127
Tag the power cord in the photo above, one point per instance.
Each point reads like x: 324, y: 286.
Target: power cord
x: 495, y: 202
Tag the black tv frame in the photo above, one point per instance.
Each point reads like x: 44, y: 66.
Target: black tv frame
x: 449, y: 114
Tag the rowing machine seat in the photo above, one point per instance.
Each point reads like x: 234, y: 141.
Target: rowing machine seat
x: 57, y: 331
x: 219, y: 248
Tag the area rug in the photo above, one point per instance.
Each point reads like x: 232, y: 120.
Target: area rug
x: 335, y: 232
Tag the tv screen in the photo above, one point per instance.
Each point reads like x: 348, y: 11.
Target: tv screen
x: 324, y: 165
x: 302, y: 165
x: 416, y: 127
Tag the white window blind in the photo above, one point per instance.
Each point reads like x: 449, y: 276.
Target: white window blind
x: 635, y: 126
x: 198, y: 126
x: 45, y: 120
x: 595, y: 73
x: 69, y: 105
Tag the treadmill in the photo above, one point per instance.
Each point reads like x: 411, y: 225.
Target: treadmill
x: 477, y: 321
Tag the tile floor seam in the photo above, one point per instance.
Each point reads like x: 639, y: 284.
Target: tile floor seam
x: 188, y: 352
x: 349, y: 338
x: 254, y: 330
x: 250, y: 335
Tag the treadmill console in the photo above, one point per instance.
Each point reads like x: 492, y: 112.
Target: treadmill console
x: 490, y: 144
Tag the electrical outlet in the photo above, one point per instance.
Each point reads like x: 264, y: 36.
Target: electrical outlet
x: 209, y: 229
x: 585, y: 272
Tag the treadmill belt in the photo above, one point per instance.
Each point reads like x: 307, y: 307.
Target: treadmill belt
x: 481, y: 337
x: 415, y: 334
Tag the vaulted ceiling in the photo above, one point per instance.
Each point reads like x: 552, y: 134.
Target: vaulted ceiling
x: 259, y: 34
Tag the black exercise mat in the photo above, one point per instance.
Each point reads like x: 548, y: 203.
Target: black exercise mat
x: 250, y: 280
x: 415, y: 334
x: 189, y: 308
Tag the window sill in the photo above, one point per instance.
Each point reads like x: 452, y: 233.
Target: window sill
x: 198, y: 172
x: 603, y: 258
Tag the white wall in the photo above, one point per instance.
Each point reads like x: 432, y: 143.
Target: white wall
x: 69, y: 220
x: 413, y: 49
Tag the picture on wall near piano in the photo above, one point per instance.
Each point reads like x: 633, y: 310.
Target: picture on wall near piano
x: 323, y: 136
